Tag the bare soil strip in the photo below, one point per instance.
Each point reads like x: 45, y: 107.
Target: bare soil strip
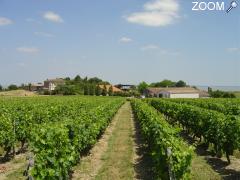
x: 13, y: 169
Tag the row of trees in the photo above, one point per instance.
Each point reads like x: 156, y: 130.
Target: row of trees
x: 165, y: 83
x: 9, y: 88
x: 169, y: 83
x: 85, y: 89
x: 81, y: 86
x: 89, y: 86
x: 220, y: 94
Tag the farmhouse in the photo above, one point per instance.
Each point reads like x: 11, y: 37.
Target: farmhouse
x: 125, y: 87
x: 51, y: 84
x: 185, y: 92
x: 35, y: 87
x: 115, y: 89
x: 204, y: 94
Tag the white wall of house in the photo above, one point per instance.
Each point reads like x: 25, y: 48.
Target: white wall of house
x: 193, y: 95
x: 52, y: 86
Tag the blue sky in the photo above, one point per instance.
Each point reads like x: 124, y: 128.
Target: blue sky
x: 125, y: 41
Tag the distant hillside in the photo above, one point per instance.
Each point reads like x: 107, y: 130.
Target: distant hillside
x: 20, y: 93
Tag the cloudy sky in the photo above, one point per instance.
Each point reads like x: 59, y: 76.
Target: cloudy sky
x: 124, y: 41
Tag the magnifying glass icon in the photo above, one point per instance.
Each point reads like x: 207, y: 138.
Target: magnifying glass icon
x: 233, y: 4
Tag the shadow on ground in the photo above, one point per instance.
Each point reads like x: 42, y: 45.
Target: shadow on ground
x: 143, y: 164
x: 222, y: 167
x: 219, y: 165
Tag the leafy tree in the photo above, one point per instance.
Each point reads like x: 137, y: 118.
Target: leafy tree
x: 80, y: 85
x: 29, y: 86
x: 98, y: 91
x: 64, y: 90
x: 22, y: 86
x: 104, y: 91
x: 164, y: 83
x: 222, y: 94
x: 12, y: 87
x: 1, y: 88
x: 77, y: 79
x: 85, y: 79
x: 142, y: 87
x: 46, y: 92
x: 79, y: 88
x: 91, y: 89
x: 94, y: 80
x: 181, y: 84
x: 86, y: 90
x: 209, y: 90
x: 68, y: 79
x: 110, y: 91
x: 216, y: 94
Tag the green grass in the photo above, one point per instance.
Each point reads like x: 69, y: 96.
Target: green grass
x: 16, y: 169
x: 118, y: 159
x: 18, y: 174
x: 237, y: 93
x: 16, y: 93
x: 1, y: 151
x: 201, y: 170
x: 236, y: 153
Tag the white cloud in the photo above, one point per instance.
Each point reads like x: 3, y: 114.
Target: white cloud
x: 44, y: 34
x: 156, y: 13
x: 5, y: 21
x: 233, y: 50
x: 125, y: 40
x: 28, y: 50
x: 162, y: 5
x: 51, y: 16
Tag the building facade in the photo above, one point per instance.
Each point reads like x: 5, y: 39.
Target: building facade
x: 114, y: 89
x: 125, y: 87
x: 185, y: 92
x: 51, y: 84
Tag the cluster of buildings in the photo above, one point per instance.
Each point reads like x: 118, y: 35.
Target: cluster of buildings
x: 171, y: 92
x: 49, y: 85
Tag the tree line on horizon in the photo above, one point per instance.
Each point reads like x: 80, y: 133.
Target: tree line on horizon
x: 165, y: 83
x: 88, y: 86
x: 91, y: 86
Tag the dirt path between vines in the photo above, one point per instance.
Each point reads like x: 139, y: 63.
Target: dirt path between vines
x: 13, y: 169
x: 90, y: 164
x: 118, y: 154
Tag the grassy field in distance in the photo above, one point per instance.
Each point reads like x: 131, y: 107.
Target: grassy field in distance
x: 237, y: 93
x: 19, y: 93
